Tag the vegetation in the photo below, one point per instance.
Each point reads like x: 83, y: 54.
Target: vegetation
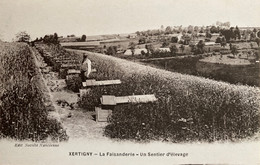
x: 247, y: 75
x: 111, y: 50
x: 23, y: 114
x: 188, y: 108
x: 23, y: 37
x: 132, y: 47
x: 83, y: 38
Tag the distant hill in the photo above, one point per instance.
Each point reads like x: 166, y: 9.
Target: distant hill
x: 97, y: 37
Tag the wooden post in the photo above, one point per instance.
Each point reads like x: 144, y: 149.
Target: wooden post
x: 102, y: 114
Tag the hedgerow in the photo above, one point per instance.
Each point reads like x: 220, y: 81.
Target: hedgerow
x: 188, y: 108
x: 23, y: 115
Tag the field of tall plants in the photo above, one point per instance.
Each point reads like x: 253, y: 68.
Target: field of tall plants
x: 189, y: 108
x: 23, y: 114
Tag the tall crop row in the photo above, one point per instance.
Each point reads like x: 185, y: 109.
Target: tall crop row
x: 189, y: 108
x: 23, y: 114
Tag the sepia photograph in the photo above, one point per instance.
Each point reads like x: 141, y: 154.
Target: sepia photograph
x: 129, y: 82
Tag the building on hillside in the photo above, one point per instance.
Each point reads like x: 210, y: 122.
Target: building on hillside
x: 164, y: 49
x: 211, y: 43
x: 136, y: 52
x: 214, y: 36
x: 202, y: 34
x: 133, y: 35
x: 177, y: 35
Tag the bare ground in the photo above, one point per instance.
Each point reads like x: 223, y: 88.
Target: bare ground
x: 77, y: 122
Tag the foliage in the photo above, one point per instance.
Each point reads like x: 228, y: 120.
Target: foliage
x: 142, y: 40
x: 23, y: 37
x: 234, y: 50
x: 199, y: 47
x: 51, y: 39
x: 74, y: 83
x: 83, y: 38
x: 23, y: 114
x: 111, y: 50
x: 188, y: 108
x: 150, y: 48
x: 173, y: 49
x: 132, y: 47
x: 182, y: 48
x: 174, y: 39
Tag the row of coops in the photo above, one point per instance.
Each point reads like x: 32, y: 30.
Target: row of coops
x: 70, y: 67
x: 108, y: 102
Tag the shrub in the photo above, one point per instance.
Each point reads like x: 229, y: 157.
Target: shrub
x: 74, y: 83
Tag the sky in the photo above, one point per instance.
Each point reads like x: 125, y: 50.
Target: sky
x: 95, y: 17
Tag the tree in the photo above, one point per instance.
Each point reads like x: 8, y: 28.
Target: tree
x: 202, y: 30
x: 218, y: 40
x: 214, y: 29
x: 143, y: 53
x: 252, y: 36
x: 200, y: 47
x: 251, y: 45
x: 186, y: 39
x: 208, y: 35
x: 227, y: 24
x: 149, y: 48
x: 83, y: 38
x: 23, y: 37
x: 234, y: 50
x: 257, y: 41
x: 229, y: 34
x: 190, y: 29
x: 174, y: 39
x: 112, y: 50
x: 142, y: 40
x: 223, y: 42
x: 258, y: 34
x: 237, y: 33
x: 173, y: 49
x: 55, y: 38
x: 196, y: 29
x: 168, y: 30
x: 182, y: 48
x: 51, y: 39
x: 162, y: 27
x: 132, y: 47
x: 165, y: 43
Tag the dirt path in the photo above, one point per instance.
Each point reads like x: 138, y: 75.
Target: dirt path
x: 81, y: 124
x: 77, y: 122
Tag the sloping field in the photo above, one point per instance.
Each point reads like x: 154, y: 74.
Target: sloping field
x: 91, y: 43
x: 189, y: 108
x: 23, y: 112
